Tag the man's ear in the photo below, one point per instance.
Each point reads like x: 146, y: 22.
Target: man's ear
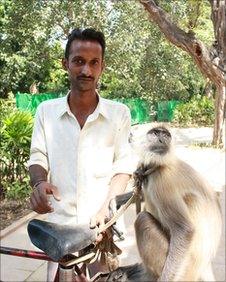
x: 103, y: 66
x: 64, y: 64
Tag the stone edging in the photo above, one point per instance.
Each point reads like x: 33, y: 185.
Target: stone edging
x: 16, y: 224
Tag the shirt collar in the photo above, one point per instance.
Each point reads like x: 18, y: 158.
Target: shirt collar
x: 64, y: 106
x: 102, y: 107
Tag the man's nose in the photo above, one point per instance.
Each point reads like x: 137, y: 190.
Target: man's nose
x: 86, y: 70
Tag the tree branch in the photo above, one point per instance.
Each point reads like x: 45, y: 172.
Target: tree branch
x: 186, y: 41
x: 218, y: 16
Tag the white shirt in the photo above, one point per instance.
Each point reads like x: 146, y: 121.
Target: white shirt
x: 81, y: 162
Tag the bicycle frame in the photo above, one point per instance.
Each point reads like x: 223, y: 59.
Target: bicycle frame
x: 24, y: 253
x: 64, y: 273
x: 69, y: 265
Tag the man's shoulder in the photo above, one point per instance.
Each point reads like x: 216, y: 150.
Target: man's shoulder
x: 112, y: 104
x: 51, y: 108
x: 53, y: 102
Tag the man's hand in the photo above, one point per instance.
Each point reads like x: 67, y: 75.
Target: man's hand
x: 39, y: 197
x: 117, y: 186
x: 99, y: 220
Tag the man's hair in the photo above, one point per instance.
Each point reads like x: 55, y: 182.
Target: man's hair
x: 88, y: 34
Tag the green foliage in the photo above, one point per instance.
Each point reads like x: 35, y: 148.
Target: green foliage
x: 17, y: 190
x: 28, y: 52
x: 139, y: 60
x: 199, y: 111
x: 6, y: 106
x: 167, y: 73
x: 15, y: 141
x: 191, y: 16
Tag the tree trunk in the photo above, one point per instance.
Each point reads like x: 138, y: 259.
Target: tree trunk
x: 208, y: 89
x: 218, y: 16
x: 212, y: 68
x: 219, y: 115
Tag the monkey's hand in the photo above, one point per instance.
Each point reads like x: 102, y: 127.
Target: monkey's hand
x: 139, y: 176
x: 99, y: 220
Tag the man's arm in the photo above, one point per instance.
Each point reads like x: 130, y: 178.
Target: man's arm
x: 37, y: 174
x: 121, y: 167
x: 41, y: 190
x: 117, y: 186
x: 38, y: 168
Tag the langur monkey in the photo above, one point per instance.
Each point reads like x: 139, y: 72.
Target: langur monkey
x: 179, y: 231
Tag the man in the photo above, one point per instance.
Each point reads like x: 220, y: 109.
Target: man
x: 80, y: 156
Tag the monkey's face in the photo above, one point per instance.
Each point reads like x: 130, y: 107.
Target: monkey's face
x: 156, y: 147
x: 159, y: 140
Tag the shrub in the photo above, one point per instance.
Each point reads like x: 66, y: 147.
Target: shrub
x: 7, y: 106
x: 18, y: 189
x: 16, y: 130
x: 199, y: 111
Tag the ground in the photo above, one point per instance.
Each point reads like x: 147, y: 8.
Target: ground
x: 12, y: 210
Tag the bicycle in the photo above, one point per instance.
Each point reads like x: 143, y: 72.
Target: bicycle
x: 69, y: 246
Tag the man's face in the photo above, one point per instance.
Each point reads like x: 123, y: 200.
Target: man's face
x: 84, y: 65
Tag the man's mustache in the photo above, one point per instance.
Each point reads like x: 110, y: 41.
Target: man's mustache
x: 85, y: 77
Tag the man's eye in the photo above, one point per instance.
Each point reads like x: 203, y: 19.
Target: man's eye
x: 94, y: 63
x: 78, y: 61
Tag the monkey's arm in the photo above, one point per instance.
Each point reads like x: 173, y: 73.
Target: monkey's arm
x: 141, y: 174
x: 175, y: 217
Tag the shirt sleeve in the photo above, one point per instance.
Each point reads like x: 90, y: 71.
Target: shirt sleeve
x: 38, y: 150
x: 123, y: 159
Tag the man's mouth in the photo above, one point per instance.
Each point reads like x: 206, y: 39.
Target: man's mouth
x: 85, y: 78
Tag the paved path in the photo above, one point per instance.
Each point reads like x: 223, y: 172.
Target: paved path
x: 209, y: 162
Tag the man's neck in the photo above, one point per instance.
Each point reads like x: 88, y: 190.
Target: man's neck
x: 82, y: 104
x: 83, y: 100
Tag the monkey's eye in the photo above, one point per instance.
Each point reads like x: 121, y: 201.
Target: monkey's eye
x: 155, y: 132
x: 167, y: 134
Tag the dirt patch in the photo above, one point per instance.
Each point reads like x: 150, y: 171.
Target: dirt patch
x: 12, y: 210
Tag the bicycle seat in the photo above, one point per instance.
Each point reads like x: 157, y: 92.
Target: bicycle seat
x: 59, y: 240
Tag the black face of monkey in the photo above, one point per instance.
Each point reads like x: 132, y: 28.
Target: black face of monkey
x: 159, y: 139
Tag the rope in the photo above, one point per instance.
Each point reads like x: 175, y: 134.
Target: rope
x: 140, y: 175
x: 120, y: 211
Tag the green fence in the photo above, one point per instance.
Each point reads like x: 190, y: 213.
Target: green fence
x: 29, y: 102
x: 140, y: 109
x: 165, y: 110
